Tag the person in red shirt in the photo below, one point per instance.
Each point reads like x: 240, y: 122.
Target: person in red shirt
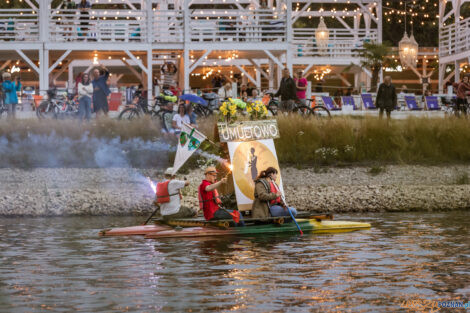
x: 209, y: 200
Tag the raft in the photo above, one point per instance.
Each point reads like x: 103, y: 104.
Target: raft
x: 208, y: 230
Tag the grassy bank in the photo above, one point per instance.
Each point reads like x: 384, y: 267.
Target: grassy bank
x: 303, y: 142
x: 366, y: 140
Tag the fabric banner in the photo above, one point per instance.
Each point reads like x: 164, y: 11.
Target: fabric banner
x: 248, y: 160
x: 189, y: 141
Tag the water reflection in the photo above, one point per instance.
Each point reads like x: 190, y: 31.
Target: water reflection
x: 60, y: 264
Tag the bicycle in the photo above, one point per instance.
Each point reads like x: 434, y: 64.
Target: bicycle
x: 140, y: 107
x: 56, y: 107
x: 300, y: 108
x: 451, y: 108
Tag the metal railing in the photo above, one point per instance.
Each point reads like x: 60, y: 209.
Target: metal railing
x: 454, y: 38
x: 168, y: 26
x: 237, y: 26
x: 19, y: 25
x: 97, y: 25
x: 342, y: 43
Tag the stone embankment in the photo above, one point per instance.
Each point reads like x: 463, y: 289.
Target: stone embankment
x: 116, y: 191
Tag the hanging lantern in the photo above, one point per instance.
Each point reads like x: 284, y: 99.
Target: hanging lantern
x: 413, y: 50
x: 408, y: 50
x: 322, y: 34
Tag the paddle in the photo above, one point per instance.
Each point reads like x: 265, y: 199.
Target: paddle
x: 155, y: 211
x: 287, y: 208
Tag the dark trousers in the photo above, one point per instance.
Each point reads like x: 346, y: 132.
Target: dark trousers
x: 461, y: 106
x: 223, y: 214
x: 381, y: 112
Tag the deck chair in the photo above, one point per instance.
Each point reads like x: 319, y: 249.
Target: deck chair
x: 411, y: 103
x: 368, y: 102
x: 329, y: 103
x: 432, y: 103
x: 348, y: 100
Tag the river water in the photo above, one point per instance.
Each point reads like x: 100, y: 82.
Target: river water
x: 62, y: 265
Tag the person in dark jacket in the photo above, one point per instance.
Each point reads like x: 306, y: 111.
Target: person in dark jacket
x: 461, y: 89
x: 100, y: 90
x: 267, y: 196
x: 287, y: 91
x: 386, y: 97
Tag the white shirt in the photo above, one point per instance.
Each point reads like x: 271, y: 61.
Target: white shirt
x: 174, y: 205
x: 224, y: 93
x: 179, y: 120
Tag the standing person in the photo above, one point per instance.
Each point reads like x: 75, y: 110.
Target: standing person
x: 461, y: 88
x: 84, y: 7
x: 69, y: 5
x: 287, y: 91
x: 179, y: 118
x: 268, y: 200
x: 225, y: 92
x: 169, y: 197
x: 85, y: 92
x: 100, y: 90
x: 9, y: 93
x: 301, y: 86
x: 386, y: 97
x: 209, y: 201
x: 169, y: 73
x: 218, y: 81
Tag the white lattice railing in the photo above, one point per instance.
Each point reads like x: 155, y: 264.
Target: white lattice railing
x: 454, y: 38
x: 19, y: 25
x: 342, y: 43
x: 237, y: 26
x: 168, y: 26
x: 99, y: 25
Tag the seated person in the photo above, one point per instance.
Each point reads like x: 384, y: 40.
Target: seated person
x: 178, y: 120
x: 268, y: 200
x: 169, y: 197
x: 192, y: 115
x: 209, y: 200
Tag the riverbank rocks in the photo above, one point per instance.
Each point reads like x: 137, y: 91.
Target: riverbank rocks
x: 124, y: 191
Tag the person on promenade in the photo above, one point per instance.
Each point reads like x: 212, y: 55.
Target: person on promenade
x: 84, y: 7
x: 301, y: 86
x: 10, y: 97
x: 209, y: 201
x: 460, y: 89
x: 100, y: 91
x: 287, y: 91
x: 169, y: 75
x: 192, y: 115
x: 386, y: 97
x: 225, y: 92
x: 168, y: 196
x: 268, y: 201
x: 179, y: 118
x: 85, y: 92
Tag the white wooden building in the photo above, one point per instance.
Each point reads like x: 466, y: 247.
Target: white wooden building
x: 454, y: 39
x: 255, y: 37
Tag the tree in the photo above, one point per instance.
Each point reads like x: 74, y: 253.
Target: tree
x: 374, y: 56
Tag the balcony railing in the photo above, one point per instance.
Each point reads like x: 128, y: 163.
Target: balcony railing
x: 237, y: 26
x: 168, y: 26
x: 454, y: 38
x: 19, y: 25
x: 341, y: 44
x: 97, y: 25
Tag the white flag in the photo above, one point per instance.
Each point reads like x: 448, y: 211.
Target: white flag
x: 189, y: 141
